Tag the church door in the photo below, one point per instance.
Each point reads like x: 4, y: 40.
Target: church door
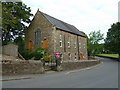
x: 30, y: 45
x: 45, y: 44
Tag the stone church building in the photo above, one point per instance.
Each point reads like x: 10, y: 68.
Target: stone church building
x: 56, y: 36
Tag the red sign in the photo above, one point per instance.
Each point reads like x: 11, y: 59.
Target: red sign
x: 57, y: 54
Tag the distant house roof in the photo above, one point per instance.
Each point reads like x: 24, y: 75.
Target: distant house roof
x: 64, y: 26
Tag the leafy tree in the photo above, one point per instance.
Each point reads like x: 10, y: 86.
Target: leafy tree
x: 14, y: 17
x: 93, y: 43
x: 84, y: 34
x: 112, y: 42
x: 95, y: 37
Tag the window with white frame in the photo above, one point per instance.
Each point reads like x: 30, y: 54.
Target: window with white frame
x: 69, y: 42
x: 60, y: 40
x: 75, y: 41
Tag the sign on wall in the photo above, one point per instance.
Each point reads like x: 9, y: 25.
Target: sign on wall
x: 57, y: 54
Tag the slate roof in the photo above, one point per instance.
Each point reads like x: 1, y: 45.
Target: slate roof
x: 64, y: 26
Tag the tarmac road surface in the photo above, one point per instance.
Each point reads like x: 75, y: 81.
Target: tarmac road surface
x: 104, y: 75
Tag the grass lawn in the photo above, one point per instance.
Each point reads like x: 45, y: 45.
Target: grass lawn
x: 109, y: 55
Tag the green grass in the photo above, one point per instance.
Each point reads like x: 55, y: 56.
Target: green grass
x: 109, y: 55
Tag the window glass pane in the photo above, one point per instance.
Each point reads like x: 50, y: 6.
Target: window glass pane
x: 60, y: 40
x: 68, y: 41
x: 37, y: 37
x: 75, y: 43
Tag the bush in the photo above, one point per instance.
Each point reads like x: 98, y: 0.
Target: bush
x: 39, y: 53
x: 47, y: 58
x: 27, y: 54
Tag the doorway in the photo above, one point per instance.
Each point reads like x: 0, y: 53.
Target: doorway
x: 30, y: 45
x: 45, y: 46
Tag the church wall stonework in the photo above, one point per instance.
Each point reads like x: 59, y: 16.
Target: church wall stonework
x: 52, y: 35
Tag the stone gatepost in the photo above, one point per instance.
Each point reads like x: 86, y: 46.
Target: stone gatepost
x: 58, y: 61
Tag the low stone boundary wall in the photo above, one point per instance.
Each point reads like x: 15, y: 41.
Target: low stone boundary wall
x: 21, y: 67
x: 10, y: 49
x: 36, y: 67
x: 70, y: 65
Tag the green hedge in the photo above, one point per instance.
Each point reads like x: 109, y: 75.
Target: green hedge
x: 37, y: 54
x: 27, y: 54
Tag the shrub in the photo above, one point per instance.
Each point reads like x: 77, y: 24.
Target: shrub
x: 47, y: 58
x: 27, y: 54
x: 38, y: 53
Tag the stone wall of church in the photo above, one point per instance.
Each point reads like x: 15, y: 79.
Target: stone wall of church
x: 39, y: 22
x: 72, y: 52
x: 52, y: 35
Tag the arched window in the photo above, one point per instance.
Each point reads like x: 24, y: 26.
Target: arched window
x: 37, y: 37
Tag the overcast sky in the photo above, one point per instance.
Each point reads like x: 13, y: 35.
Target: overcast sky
x: 86, y: 15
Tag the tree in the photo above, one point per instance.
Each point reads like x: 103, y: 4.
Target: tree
x: 93, y: 43
x: 112, y: 42
x: 14, y: 17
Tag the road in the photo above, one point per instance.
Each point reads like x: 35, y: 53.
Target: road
x: 105, y: 75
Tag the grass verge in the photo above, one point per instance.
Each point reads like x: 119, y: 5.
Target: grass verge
x: 109, y: 55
